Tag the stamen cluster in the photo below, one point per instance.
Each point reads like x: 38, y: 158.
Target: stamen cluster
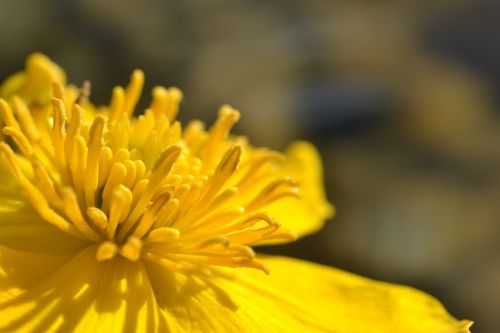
x: 145, y: 188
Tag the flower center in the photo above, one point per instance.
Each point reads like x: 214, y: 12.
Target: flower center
x: 144, y: 187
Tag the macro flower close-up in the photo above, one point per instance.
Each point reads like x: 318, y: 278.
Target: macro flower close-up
x: 115, y: 219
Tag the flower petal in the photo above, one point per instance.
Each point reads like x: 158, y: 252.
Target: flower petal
x: 306, y: 214
x: 87, y: 296
x: 299, y: 297
x: 21, y: 270
x: 21, y: 228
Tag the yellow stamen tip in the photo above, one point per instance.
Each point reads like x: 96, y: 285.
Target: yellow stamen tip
x: 98, y: 217
x: 230, y: 160
x: 132, y: 248
x: 164, y: 234
x: 58, y: 90
x: 106, y: 251
x: 166, y: 160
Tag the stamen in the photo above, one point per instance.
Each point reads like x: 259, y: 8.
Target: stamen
x: 253, y: 219
x: 252, y: 166
x: 72, y: 210
x: 59, y: 119
x: 58, y: 135
x: 173, y: 134
x: 46, y: 185
x: 282, y: 235
x: 224, y: 197
x: 230, y: 161
x: 224, y: 241
x: 133, y: 92
x: 148, y: 218
x: 222, y: 247
x: 160, y: 170
x: 7, y: 115
x: 166, y: 102
x: 140, y: 168
x: 105, y: 164
x: 270, y: 193
x: 131, y: 173
x: 195, y: 135
x: 58, y: 90
x: 167, y: 214
x: 171, y: 265
x: 26, y: 119
x: 98, y: 217
x: 163, y: 235
x: 116, y: 177
x: 216, y: 222
x: 119, y: 209
x: 73, y: 129
x: 94, y: 150
x: 222, y: 173
x: 251, y: 236
x: 138, y: 189
x: 174, y: 98
x: 182, y: 192
x: 116, y: 105
x: 107, y: 250
x: 121, y: 133
x: 121, y: 181
x: 218, y: 134
x: 217, y: 261
x: 227, y: 118
x: 121, y: 155
x: 78, y: 164
x: 159, y: 101
x: 189, y: 198
x: 132, y: 248
x: 21, y: 141
x: 36, y: 198
x: 151, y: 147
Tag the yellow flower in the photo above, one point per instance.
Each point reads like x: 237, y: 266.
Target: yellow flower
x: 116, y: 223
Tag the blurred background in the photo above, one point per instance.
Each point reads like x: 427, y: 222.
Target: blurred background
x: 401, y: 97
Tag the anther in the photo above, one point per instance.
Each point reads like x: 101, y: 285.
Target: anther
x: 133, y: 91
x: 7, y: 114
x: 72, y: 210
x: 98, y: 217
x: 132, y: 248
x: 230, y: 161
x: 26, y: 119
x: 106, y: 250
x: 160, y: 170
x: 21, y: 141
x: 164, y: 234
x: 121, y: 200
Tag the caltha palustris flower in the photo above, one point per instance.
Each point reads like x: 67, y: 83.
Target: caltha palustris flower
x: 115, y: 223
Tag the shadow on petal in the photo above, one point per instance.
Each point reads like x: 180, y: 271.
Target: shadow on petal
x: 87, y: 296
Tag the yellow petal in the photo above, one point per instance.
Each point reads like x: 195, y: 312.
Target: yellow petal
x: 21, y: 270
x: 34, y: 84
x: 22, y: 229
x: 87, y: 296
x: 299, y: 297
x: 308, y: 213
